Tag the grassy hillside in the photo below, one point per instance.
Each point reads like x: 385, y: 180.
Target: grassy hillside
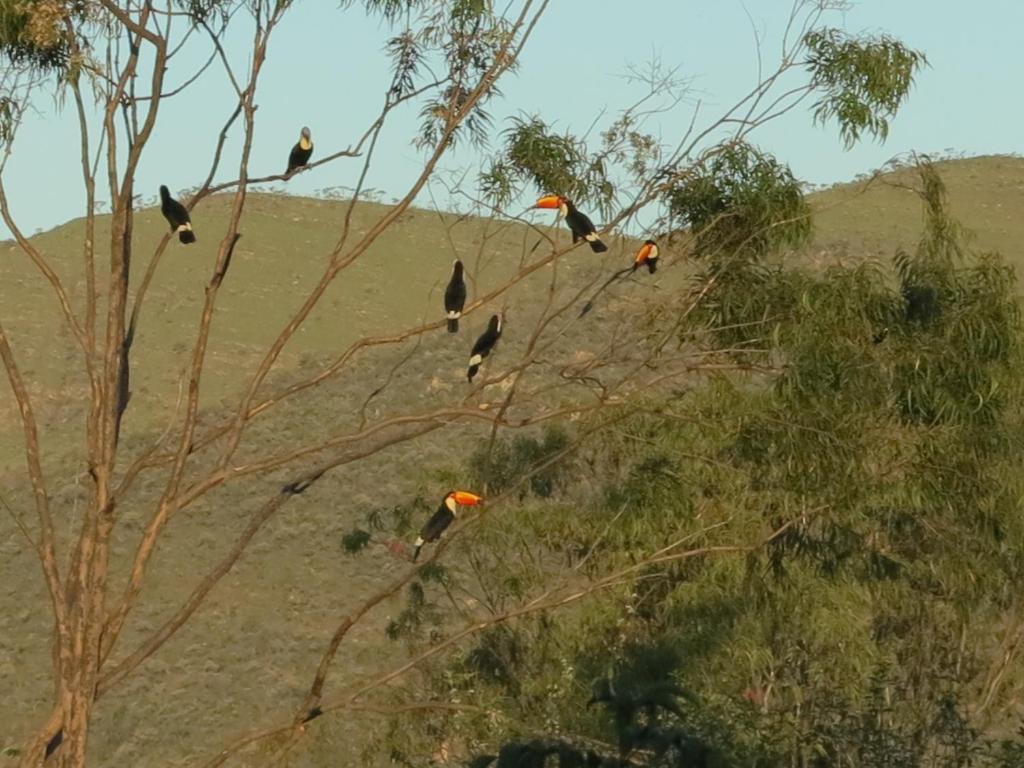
x: 870, y: 219
x: 258, y: 637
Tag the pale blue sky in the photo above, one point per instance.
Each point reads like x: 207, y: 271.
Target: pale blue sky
x: 327, y: 69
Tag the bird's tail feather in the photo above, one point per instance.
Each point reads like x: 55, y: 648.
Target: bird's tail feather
x: 453, y: 325
x: 597, y: 246
x: 187, y: 236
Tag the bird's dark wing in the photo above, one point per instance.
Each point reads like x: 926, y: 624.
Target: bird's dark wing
x: 455, y: 296
x: 483, y: 344
x: 436, y: 524
x: 586, y: 225
x: 175, y: 213
x: 299, y: 157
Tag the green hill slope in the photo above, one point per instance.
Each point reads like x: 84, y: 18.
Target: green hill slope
x: 871, y: 219
x: 258, y: 637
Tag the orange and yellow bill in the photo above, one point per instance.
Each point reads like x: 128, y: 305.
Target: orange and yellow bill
x: 644, y: 253
x: 467, y: 499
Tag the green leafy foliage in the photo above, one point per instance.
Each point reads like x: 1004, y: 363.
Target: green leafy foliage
x: 870, y: 627
x: 471, y: 39
x: 204, y: 10
x: 419, y: 619
x: 863, y: 80
x: 740, y: 203
x: 399, y: 520
x: 33, y: 33
x: 406, y: 57
x: 389, y: 10
x: 496, y: 467
x: 356, y: 540
x: 548, y: 162
x: 650, y: 726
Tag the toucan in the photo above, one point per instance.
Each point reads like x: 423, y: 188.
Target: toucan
x: 455, y: 297
x: 484, y: 345
x: 301, y: 152
x: 176, y: 216
x: 440, y: 520
x: 580, y: 224
x: 648, y: 254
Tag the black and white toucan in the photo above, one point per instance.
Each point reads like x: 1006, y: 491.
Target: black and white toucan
x: 455, y: 297
x: 176, y: 216
x: 484, y: 345
x: 440, y: 520
x: 580, y: 224
x: 647, y: 255
x: 301, y: 152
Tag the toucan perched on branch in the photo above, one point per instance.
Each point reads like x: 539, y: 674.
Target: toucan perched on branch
x: 580, y: 224
x: 484, y: 345
x: 301, y: 152
x: 440, y: 520
x: 455, y: 297
x: 648, y: 254
x: 177, y: 216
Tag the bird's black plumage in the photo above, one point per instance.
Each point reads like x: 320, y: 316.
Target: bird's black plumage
x: 436, y: 525
x: 582, y: 228
x: 484, y: 345
x: 455, y: 297
x: 177, y: 216
x: 301, y: 152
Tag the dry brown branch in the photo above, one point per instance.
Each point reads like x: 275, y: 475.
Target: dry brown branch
x: 145, y: 549
x: 46, y: 547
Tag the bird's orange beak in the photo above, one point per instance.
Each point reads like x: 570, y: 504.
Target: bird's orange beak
x: 549, y: 201
x: 467, y: 499
x: 643, y: 253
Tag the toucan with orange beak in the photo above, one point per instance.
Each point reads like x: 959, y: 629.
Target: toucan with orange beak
x: 301, y: 152
x: 580, y: 224
x: 445, y: 515
x: 484, y: 345
x: 455, y: 297
x: 647, y: 255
